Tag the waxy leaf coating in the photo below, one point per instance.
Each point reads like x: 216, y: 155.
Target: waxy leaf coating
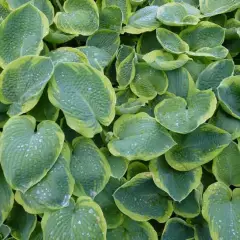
x: 25, y: 151
x: 86, y: 98
x: 21, y: 33
x: 139, y: 136
x: 81, y: 220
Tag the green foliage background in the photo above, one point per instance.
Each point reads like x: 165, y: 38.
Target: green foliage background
x: 120, y: 119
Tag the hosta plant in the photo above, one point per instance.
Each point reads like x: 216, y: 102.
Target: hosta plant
x: 120, y: 119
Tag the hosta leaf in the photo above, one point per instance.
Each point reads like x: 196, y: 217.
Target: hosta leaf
x: 165, y: 61
x: 228, y: 94
x: 171, y: 42
x: 198, y: 147
x: 221, y: 211
x: 195, y: 67
x: 43, y: 5
x: 142, y: 200
x: 67, y: 54
x: 190, y: 207
x: 21, y: 33
x: 180, y: 82
x: 133, y: 105
x: 135, y: 168
x: 177, y: 184
x: 214, y: 73
x: 82, y: 220
x: 89, y: 168
x: 118, y: 165
x: 53, y: 191
x: 139, y: 136
x: 132, y: 230
x: 143, y: 20
x: 225, y: 121
x: 176, y: 229
x: 107, y: 40
x: 22, y: 82
x: 125, y: 66
x: 86, y: 98
x: 148, y: 82
x: 205, y: 34
x: 21, y: 223
x: 214, y: 7
x: 214, y: 53
x: 4, y: 231
x: 97, y: 57
x: 24, y: 151
x: 6, y: 198
x: 114, y: 217
x: 76, y: 18
x: 184, y: 116
x: 37, y: 233
x: 124, y: 5
x: 147, y: 42
x: 111, y: 18
x: 57, y: 37
x: 226, y: 165
x: 175, y: 14
x: 44, y: 110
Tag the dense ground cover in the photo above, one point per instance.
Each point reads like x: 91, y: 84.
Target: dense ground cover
x: 120, y: 119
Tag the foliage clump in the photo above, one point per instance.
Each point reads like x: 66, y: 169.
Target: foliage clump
x: 120, y: 119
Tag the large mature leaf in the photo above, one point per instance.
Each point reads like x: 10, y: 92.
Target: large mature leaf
x: 177, y: 184
x: 221, y: 211
x: 143, y: 20
x: 89, y: 168
x: 21, y: 223
x: 75, y: 20
x: 176, y: 229
x: 228, y: 94
x: 81, y: 220
x: 165, y: 61
x: 142, y: 200
x: 86, y: 98
x: 43, y: 5
x: 171, y: 42
x: 6, y: 198
x: 21, y: 33
x: 226, y: 165
x: 203, y: 37
x: 132, y: 230
x: 139, y: 136
x: 184, y: 116
x: 148, y: 82
x: 22, y: 82
x: 214, y: 73
x: 26, y: 155
x: 215, y: 7
x: 198, y: 147
x: 176, y: 14
x: 114, y: 217
x: 53, y: 191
